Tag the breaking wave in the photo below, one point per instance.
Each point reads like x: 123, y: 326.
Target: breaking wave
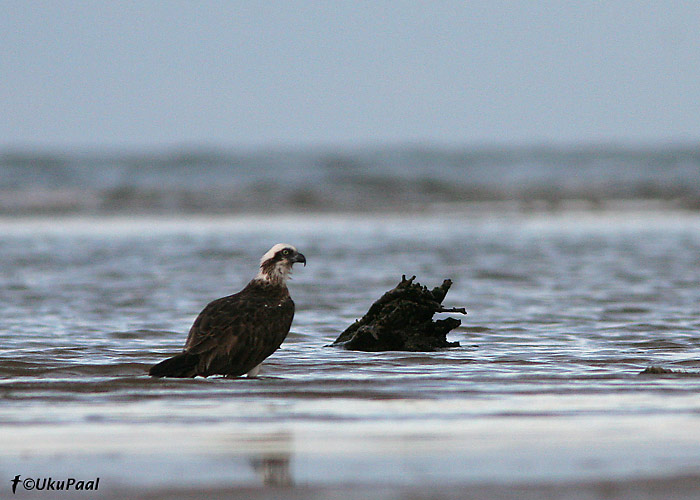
x: 192, y: 181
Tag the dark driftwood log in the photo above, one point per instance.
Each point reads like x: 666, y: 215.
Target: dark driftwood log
x: 402, y: 320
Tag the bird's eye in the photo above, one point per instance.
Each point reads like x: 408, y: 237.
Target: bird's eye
x: 286, y: 251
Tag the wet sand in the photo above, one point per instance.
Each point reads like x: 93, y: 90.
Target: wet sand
x: 667, y: 488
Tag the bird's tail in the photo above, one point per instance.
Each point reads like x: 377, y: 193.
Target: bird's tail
x: 183, y: 365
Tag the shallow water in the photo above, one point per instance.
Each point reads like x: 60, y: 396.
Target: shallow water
x: 565, y: 311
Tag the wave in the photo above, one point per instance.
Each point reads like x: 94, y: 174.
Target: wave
x: 195, y: 181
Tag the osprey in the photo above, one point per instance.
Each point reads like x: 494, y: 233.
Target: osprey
x: 234, y: 334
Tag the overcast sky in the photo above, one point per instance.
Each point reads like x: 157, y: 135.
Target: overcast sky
x: 95, y: 74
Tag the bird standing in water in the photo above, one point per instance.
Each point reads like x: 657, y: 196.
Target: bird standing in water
x: 234, y: 334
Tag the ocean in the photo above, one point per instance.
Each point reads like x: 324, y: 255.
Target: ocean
x: 191, y: 181
x: 579, y: 269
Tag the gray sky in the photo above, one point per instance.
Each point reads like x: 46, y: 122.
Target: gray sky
x: 296, y: 73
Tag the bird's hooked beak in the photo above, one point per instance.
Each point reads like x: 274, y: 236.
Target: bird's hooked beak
x: 299, y: 257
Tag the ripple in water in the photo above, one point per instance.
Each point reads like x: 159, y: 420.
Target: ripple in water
x: 547, y: 375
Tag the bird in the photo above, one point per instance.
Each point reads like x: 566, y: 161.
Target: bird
x: 234, y: 334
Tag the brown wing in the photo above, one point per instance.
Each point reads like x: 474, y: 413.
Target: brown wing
x: 234, y: 334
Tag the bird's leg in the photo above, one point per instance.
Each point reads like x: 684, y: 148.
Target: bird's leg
x: 254, y: 372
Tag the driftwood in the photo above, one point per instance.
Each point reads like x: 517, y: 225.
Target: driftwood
x: 402, y: 320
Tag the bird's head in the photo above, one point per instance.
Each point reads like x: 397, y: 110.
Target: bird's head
x: 276, y: 264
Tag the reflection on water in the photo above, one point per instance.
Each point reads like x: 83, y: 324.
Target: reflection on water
x: 269, y: 455
x: 565, y: 312
x: 273, y: 469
